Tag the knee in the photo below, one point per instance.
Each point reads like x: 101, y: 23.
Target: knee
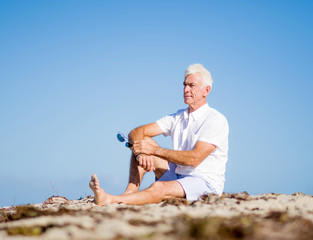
x: 150, y: 140
x: 157, y: 188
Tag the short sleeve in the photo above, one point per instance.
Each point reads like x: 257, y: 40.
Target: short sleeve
x: 166, y: 124
x: 215, y: 131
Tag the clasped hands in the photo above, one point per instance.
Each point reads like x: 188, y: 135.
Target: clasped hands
x: 143, y: 151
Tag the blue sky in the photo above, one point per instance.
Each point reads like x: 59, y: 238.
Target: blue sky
x: 74, y: 73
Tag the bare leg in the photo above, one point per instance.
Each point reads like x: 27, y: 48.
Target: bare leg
x: 154, y: 194
x: 136, y: 172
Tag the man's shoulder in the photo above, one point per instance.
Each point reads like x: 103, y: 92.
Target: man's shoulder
x: 173, y: 117
x: 212, y: 113
x: 179, y: 112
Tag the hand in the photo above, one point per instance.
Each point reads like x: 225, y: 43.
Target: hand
x: 146, y: 162
x: 143, y: 146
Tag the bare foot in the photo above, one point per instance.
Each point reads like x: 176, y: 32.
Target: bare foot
x: 101, y: 197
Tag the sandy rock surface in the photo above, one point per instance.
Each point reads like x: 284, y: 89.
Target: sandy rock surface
x: 232, y: 216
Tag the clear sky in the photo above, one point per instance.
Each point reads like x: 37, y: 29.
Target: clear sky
x: 74, y: 73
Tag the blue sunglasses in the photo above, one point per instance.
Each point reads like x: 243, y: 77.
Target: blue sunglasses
x: 121, y: 137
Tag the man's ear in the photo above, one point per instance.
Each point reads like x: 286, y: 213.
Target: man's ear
x: 206, y: 91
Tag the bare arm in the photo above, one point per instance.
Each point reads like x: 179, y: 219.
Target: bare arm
x: 188, y: 158
x: 141, y: 133
x: 149, y: 130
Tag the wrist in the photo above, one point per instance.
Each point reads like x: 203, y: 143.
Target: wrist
x: 157, y: 151
x: 137, y: 155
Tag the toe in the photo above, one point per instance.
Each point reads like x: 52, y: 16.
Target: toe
x: 97, y: 184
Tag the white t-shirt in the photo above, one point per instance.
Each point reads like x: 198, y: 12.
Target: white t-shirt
x: 206, y: 125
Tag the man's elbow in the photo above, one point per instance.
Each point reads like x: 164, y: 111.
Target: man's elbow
x: 134, y: 132
x: 195, y: 161
x: 195, y: 164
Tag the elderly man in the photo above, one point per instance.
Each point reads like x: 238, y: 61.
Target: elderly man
x: 197, y: 163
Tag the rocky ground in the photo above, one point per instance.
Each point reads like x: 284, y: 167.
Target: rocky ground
x: 231, y: 216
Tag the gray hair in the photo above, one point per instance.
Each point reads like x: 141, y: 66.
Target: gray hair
x: 198, y: 68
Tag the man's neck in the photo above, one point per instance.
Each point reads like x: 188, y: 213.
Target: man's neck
x: 194, y: 108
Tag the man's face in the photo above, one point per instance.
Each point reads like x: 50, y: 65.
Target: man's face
x: 194, y: 93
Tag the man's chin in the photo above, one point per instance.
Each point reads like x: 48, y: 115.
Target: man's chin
x: 187, y: 101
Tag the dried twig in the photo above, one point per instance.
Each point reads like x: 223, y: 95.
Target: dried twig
x: 54, y: 189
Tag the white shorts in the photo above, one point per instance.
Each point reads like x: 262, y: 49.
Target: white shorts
x: 193, y: 186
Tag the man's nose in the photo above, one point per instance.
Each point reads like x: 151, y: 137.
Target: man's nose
x: 186, y: 89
